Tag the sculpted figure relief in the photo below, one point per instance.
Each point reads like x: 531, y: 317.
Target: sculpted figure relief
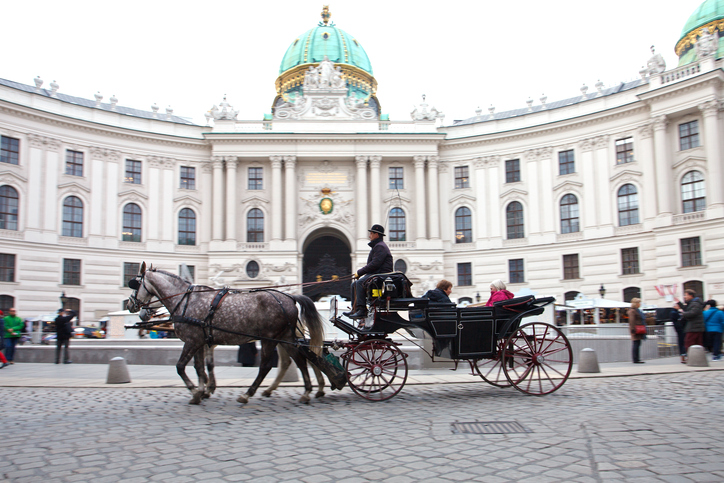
x: 707, y: 44
x: 656, y: 64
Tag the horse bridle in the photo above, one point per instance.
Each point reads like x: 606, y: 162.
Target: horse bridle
x: 135, y: 284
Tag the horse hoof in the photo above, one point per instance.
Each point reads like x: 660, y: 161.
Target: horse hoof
x: 243, y: 399
x: 304, y: 399
x: 206, y: 395
x: 266, y: 393
x: 319, y: 394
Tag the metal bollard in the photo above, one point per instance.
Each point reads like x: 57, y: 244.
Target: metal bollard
x: 696, y: 357
x: 588, y: 361
x: 118, y: 371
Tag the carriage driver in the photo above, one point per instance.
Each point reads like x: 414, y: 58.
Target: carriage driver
x: 378, y: 261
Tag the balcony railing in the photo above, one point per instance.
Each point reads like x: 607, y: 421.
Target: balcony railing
x: 689, y: 218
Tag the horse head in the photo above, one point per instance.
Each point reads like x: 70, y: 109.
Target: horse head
x: 140, y: 295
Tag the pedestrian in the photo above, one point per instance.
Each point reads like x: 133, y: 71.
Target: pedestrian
x: 636, y: 318
x: 714, y: 322
x: 498, y: 292
x: 64, y: 331
x: 247, y: 354
x: 692, y: 313
x: 441, y: 293
x: 2, y: 342
x: 679, y: 328
x: 378, y: 261
x: 13, y: 330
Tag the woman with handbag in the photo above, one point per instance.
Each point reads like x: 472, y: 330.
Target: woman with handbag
x: 637, y: 327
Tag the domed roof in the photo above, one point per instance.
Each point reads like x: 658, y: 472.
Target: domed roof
x: 709, y: 14
x: 325, y: 40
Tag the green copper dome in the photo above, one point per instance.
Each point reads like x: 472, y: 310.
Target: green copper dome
x: 709, y: 14
x: 339, y: 46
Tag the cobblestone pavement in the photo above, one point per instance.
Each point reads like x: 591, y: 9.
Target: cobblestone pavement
x: 637, y: 429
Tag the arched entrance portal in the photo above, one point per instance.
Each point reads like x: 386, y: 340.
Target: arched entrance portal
x: 326, y: 257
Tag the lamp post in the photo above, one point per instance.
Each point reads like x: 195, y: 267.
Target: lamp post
x: 602, y: 291
x: 63, y: 300
x: 477, y: 297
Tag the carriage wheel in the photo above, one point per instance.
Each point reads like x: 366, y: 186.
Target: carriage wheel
x: 376, y: 369
x: 537, y: 359
x: 491, y: 370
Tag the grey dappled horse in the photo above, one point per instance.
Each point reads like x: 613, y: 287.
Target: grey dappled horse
x: 265, y: 315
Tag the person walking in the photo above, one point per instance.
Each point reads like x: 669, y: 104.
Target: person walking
x: 64, y: 331
x: 636, y: 317
x: 692, y: 313
x: 13, y: 330
x: 2, y: 342
x: 714, y: 322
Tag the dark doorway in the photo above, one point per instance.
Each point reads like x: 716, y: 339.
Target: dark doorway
x: 326, y: 259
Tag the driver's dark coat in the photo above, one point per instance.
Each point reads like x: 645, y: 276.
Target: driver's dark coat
x: 379, y: 260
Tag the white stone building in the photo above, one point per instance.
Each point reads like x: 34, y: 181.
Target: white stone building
x: 620, y: 187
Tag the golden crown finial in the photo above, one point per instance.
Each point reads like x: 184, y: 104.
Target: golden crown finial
x: 325, y: 14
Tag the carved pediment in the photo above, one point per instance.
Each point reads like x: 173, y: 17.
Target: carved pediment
x: 132, y: 192
x: 187, y: 199
x: 568, y: 185
x: 514, y: 192
x: 73, y: 186
x: 7, y: 177
x: 254, y: 201
x: 628, y: 174
x: 396, y: 197
x: 691, y: 161
x: 462, y: 198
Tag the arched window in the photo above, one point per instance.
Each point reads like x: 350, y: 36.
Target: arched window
x: 8, y: 208
x: 463, y: 225
x: 132, y: 223
x: 187, y: 227
x: 73, y: 217
x: 397, y: 225
x: 514, y: 220
x: 400, y: 266
x: 631, y: 293
x: 569, y: 214
x: 628, y: 205
x: 255, y: 226
x: 693, y: 192
x: 6, y: 303
x: 695, y: 285
x: 252, y: 269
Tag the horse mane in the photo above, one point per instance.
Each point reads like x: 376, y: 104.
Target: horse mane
x: 173, y: 275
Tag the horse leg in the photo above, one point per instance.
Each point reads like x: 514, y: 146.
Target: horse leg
x: 284, y: 362
x: 301, y: 363
x: 211, y: 385
x: 189, y: 350
x: 198, y: 393
x: 320, y: 381
x: 267, y: 349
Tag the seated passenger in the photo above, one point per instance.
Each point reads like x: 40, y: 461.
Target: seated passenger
x: 498, y: 293
x: 439, y: 294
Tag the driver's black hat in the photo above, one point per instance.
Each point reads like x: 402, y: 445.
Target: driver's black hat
x: 379, y: 229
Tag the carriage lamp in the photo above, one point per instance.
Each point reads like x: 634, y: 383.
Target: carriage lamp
x: 602, y: 291
x: 63, y: 300
x: 477, y: 297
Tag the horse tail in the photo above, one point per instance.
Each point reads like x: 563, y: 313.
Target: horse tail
x: 313, y: 320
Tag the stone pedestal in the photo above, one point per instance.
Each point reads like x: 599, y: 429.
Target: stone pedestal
x: 588, y: 361
x: 118, y: 371
x: 696, y: 357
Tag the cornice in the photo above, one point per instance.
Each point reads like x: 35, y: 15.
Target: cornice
x: 677, y: 88
x: 325, y: 138
x: 100, y: 128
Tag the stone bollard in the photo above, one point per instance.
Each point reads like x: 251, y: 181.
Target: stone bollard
x: 292, y: 374
x: 696, y: 357
x: 588, y: 361
x: 118, y: 371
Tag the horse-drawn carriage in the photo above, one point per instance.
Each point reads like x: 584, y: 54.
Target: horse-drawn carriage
x: 533, y: 357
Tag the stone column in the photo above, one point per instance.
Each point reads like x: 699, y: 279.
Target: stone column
x: 230, y: 197
x: 217, y: 163
x: 545, y: 162
x: 375, y: 201
x: 588, y: 207
x: 644, y: 153
x: 480, y: 228
x: 663, y: 167
x: 710, y: 111
x: 290, y: 198
x: 420, y: 220
x: 276, y: 202
x: 434, y: 196
x: 361, y: 197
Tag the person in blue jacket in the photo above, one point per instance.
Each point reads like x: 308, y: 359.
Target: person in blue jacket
x: 714, y: 320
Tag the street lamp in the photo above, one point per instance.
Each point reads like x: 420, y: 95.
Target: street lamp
x: 477, y: 297
x: 602, y: 291
x: 63, y: 300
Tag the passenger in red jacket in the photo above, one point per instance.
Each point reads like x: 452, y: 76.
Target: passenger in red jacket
x: 498, y: 293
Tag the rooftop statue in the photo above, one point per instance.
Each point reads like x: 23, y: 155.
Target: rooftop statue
x: 706, y: 45
x: 421, y: 113
x: 656, y: 64
x: 324, y: 76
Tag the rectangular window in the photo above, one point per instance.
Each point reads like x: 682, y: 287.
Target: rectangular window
x: 188, y: 178
x: 570, y: 267
x: 256, y: 178
x: 133, y: 172
x: 512, y: 170
x: 566, y: 163
x: 629, y: 261
x: 7, y: 267
x: 465, y: 274
x: 74, y: 163
x: 191, y: 274
x: 71, y: 271
x: 462, y: 179
x: 9, y: 150
x: 624, y: 151
x: 130, y: 271
x: 396, y: 181
x: 515, y: 271
x: 689, y: 135
x: 690, y: 252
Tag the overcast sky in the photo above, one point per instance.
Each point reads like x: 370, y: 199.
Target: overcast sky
x: 462, y: 54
